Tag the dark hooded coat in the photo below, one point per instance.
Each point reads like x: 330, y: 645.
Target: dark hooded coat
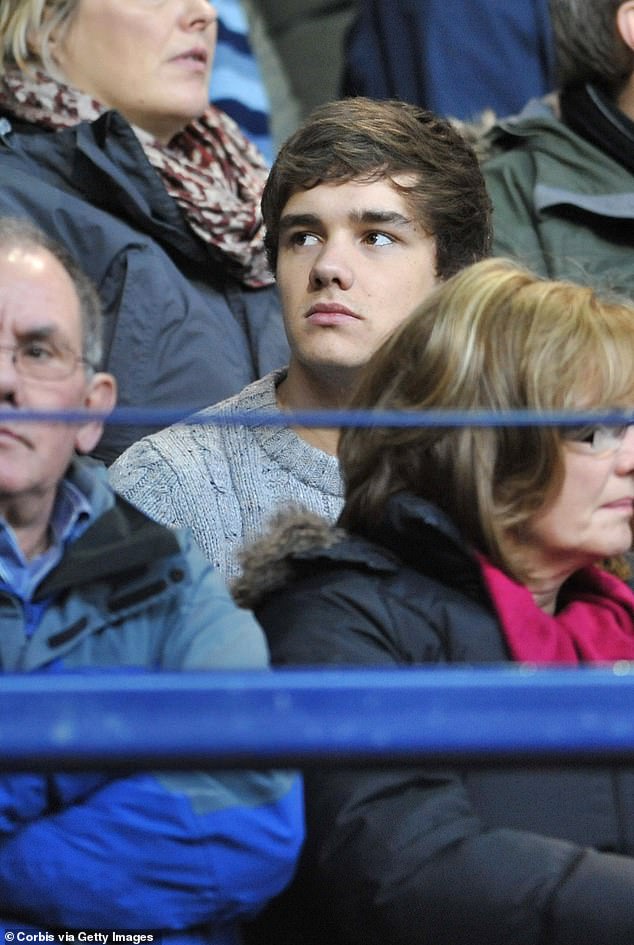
x: 423, y: 855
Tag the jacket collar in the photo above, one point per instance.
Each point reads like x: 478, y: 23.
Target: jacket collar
x: 120, y: 540
x: 112, y: 171
x: 564, y: 164
x: 105, y: 161
x: 595, y: 117
x: 412, y: 532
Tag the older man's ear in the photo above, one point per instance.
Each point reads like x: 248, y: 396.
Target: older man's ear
x: 101, y: 396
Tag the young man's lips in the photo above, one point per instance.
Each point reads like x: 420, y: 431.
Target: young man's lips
x: 330, y: 313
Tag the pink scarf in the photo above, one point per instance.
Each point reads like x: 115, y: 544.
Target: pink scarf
x: 595, y: 625
x: 210, y: 169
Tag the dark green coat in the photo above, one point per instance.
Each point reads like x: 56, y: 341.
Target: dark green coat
x: 560, y: 205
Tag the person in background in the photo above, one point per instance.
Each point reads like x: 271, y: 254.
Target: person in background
x: 469, y: 546
x: 561, y: 174
x: 459, y: 58
x: 368, y: 205
x: 89, y: 584
x: 107, y: 141
x: 236, y: 82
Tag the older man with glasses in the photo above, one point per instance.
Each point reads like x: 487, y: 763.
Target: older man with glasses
x: 87, y: 583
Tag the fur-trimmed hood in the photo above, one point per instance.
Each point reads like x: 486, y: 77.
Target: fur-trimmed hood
x: 491, y: 134
x: 297, y: 540
x: 267, y: 563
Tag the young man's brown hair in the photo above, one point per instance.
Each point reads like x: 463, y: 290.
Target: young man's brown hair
x: 364, y: 140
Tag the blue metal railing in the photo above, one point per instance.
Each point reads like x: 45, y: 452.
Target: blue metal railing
x: 161, y: 417
x: 320, y: 716
x: 303, y: 717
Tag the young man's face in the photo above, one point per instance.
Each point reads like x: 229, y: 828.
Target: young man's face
x: 352, y: 264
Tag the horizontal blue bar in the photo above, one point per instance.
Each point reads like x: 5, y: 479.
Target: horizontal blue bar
x: 155, y: 417
x: 324, y: 716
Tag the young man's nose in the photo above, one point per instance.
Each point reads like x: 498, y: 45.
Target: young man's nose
x: 331, y: 266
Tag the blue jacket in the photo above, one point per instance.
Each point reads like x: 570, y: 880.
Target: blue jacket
x: 179, y: 331
x: 186, y: 854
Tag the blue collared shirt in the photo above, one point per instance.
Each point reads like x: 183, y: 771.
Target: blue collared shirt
x: 72, y: 513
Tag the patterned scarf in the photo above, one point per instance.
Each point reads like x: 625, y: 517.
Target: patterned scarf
x: 210, y: 169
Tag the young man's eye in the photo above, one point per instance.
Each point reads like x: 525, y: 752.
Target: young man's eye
x: 379, y: 239
x: 303, y: 239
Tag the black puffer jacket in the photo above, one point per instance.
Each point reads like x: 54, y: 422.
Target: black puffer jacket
x: 419, y: 856
x: 180, y: 332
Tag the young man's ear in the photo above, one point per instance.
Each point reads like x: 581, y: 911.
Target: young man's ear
x: 101, y: 396
x: 625, y: 23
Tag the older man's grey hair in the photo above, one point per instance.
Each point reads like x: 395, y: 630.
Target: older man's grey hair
x: 21, y: 233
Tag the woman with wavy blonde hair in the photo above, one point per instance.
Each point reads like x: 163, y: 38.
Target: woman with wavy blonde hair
x: 470, y: 545
x: 499, y: 338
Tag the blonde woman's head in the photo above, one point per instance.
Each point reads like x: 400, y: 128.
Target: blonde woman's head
x: 495, y: 337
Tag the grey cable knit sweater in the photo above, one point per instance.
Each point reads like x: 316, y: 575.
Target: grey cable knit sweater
x: 224, y: 482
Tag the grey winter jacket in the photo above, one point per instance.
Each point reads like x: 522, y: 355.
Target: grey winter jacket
x: 180, y: 332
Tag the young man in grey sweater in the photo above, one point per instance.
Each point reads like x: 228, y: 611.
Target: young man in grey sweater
x: 368, y: 205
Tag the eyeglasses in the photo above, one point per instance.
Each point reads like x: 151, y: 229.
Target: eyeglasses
x: 600, y: 439
x: 43, y: 360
